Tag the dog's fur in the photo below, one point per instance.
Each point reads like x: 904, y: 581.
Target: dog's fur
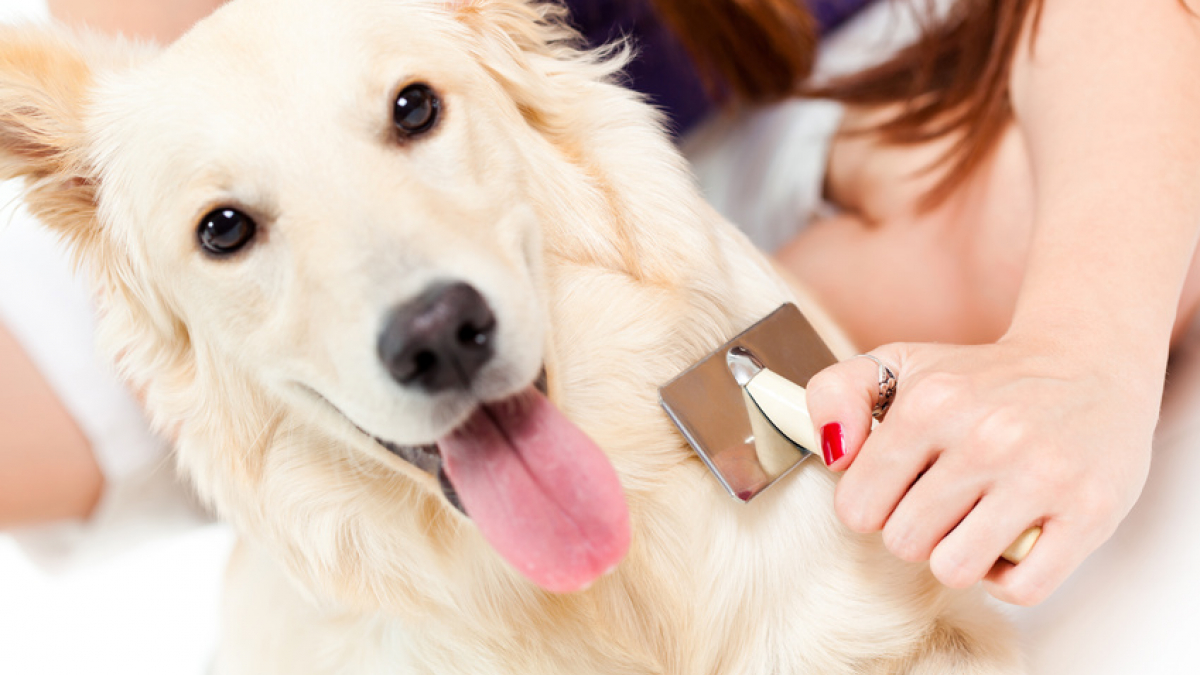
x: 548, y: 187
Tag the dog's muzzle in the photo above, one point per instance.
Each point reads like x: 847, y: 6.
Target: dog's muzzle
x: 437, y: 342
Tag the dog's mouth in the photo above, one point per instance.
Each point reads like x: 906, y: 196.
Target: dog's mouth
x: 428, y: 458
x: 540, y: 491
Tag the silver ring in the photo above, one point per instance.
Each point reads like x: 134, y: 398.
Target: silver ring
x: 887, y: 387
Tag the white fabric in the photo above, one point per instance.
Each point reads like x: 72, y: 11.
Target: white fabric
x: 764, y: 169
x: 47, y: 308
x: 766, y: 173
x: 23, y: 10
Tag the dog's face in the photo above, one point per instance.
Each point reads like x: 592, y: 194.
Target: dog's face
x: 333, y: 216
x: 342, y: 213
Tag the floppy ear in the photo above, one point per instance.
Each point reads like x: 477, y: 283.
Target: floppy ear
x: 46, y: 78
x: 44, y: 82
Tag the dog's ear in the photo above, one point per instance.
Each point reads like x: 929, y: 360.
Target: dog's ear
x: 571, y: 95
x: 44, y: 83
x: 531, y: 49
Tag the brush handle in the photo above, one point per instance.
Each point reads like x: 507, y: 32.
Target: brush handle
x: 1020, y: 548
x: 785, y: 405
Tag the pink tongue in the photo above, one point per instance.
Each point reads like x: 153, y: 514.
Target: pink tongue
x: 541, y: 492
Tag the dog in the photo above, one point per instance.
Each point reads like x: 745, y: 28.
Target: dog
x: 402, y: 278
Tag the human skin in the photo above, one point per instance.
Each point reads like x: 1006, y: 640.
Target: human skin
x: 157, y: 20
x: 47, y: 470
x: 1067, y: 263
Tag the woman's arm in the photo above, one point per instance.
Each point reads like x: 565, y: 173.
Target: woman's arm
x: 1052, y: 425
x: 1108, y: 100
x: 47, y: 471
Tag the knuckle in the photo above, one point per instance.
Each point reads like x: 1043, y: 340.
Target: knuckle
x: 1024, y: 593
x: 828, y: 391
x: 903, y: 544
x: 1005, y: 435
x: 1054, y: 479
x: 855, y: 517
x: 858, y: 522
x: 953, y: 570
x: 1054, y: 474
x: 833, y: 381
x: 1004, y: 426
x: 822, y: 381
x: 937, y: 391
x: 1095, y: 501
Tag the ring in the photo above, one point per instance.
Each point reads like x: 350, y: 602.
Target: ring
x: 887, y: 387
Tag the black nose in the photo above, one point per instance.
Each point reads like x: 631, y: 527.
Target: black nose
x: 439, y: 340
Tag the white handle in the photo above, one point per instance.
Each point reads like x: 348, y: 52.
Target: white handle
x: 785, y: 404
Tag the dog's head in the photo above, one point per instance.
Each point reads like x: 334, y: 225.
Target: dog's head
x: 321, y: 232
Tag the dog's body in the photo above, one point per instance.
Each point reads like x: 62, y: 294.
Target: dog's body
x: 555, y: 194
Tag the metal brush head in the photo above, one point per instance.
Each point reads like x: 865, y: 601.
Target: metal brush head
x: 708, y: 404
x: 742, y: 365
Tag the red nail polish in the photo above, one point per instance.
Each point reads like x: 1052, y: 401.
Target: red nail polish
x: 833, y: 442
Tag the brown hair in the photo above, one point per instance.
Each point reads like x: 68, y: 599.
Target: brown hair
x: 953, y: 80
x: 755, y: 51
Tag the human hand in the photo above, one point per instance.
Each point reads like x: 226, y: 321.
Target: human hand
x: 981, y: 443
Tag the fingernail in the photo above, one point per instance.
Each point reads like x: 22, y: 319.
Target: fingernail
x: 833, y: 442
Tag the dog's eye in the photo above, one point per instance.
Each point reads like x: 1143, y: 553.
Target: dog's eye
x: 416, y: 109
x: 224, y: 231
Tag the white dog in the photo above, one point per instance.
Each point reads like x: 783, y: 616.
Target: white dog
x: 379, y: 262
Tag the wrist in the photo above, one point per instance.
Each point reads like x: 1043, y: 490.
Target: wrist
x: 1110, y: 306
x: 1132, y: 353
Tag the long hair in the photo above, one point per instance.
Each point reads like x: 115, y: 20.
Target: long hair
x: 952, y: 81
x: 751, y: 51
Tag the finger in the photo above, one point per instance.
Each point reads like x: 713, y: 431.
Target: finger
x: 890, y: 461
x: 971, y: 550
x: 840, y: 401
x: 1053, y: 558
x: 935, y: 504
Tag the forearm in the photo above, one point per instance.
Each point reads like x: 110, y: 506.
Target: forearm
x: 1108, y: 101
x: 47, y: 471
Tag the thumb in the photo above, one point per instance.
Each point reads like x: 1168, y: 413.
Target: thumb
x: 841, y: 399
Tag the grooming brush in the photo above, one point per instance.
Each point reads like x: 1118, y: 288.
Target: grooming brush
x: 744, y: 414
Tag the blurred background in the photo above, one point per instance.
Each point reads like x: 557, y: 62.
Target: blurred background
x: 149, y: 608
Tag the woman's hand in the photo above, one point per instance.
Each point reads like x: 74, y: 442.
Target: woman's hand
x: 981, y: 443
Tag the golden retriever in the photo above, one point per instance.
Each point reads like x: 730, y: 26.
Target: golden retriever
x: 377, y: 264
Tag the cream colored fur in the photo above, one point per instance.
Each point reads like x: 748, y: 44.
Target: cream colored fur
x: 548, y: 187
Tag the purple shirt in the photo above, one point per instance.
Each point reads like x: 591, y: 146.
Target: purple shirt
x: 662, y: 69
